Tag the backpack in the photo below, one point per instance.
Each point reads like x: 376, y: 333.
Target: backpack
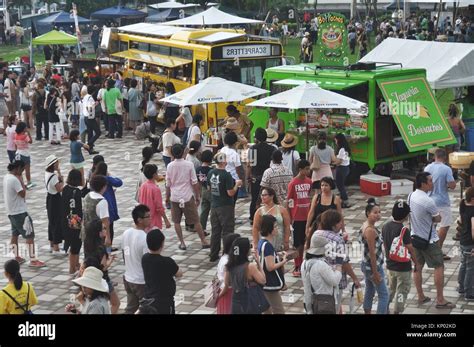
x: 23, y: 307
x: 398, y: 252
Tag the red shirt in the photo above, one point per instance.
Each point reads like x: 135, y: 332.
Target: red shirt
x: 57, y: 78
x: 150, y: 195
x: 299, y: 191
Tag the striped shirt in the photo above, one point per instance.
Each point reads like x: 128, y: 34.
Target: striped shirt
x: 277, y: 177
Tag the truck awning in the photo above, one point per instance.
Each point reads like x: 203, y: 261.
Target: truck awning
x: 151, y: 58
x: 416, y: 112
x: 331, y: 84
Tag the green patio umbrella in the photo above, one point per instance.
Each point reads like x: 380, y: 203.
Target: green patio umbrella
x: 55, y: 37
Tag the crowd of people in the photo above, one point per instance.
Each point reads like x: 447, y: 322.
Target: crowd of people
x: 294, y: 212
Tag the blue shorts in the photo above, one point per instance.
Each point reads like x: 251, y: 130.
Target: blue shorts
x: 23, y: 158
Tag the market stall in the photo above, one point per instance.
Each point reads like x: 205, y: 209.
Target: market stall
x: 319, y: 110
x: 402, y: 120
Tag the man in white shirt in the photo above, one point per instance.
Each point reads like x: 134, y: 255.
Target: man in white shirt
x: 134, y: 246
x: 93, y: 128
x: 423, y: 218
x: 14, y: 194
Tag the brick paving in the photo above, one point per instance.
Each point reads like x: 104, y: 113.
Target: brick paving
x: 53, y: 283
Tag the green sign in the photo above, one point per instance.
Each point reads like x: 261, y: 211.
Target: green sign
x: 416, y: 112
x: 332, y: 40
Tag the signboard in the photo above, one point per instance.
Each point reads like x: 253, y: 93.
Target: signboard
x: 246, y: 51
x: 332, y: 40
x: 416, y: 112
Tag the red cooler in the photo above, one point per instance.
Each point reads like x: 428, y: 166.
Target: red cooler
x: 375, y: 185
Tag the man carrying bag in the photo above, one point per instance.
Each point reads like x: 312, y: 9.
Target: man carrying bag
x: 423, y: 217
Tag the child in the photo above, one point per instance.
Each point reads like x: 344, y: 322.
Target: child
x: 22, y: 143
x: 10, y: 131
x: 77, y: 159
x: 399, y: 272
x: 150, y: 195
x: 299, y: 202
x: 201, y: 173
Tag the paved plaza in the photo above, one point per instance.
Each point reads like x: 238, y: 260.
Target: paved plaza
x: 53, y: 283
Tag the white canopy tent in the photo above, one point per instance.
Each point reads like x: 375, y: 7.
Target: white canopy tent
x: 171, y: 4
x: 447, y: 64
x: 459, y: 3
x: 213, y: 16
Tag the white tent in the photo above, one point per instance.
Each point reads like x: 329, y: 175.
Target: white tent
x: 171, y: 4
x: 447, y: 64
x: 213, y: 16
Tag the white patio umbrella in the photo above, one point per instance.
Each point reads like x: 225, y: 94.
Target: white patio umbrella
x: 214, y: 90
x: 308, y: 95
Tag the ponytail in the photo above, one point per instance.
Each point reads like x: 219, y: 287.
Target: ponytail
x: 18, y: 281
x: 12, y: 268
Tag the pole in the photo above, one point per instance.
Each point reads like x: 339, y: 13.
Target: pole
x: 78, y: 31
x: 437, y: 19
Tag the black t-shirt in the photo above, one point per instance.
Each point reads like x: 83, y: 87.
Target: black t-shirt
x: 201, y: 173
x: 220, y: 181
x: 389, y: 231
x: 261, y: 155
x: 159, y: 274
x: 466, y: 212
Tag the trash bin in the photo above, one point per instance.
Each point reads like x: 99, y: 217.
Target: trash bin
x: 469, y: 139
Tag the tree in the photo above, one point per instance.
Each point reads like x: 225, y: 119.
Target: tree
x: 86, y: 7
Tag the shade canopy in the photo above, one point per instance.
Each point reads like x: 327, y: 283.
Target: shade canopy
x: 308, y: 95
x: 213, y: 16
x: 447, y: 64
x: 213, y: 90
x: 172, y: 4
x: 164, y: 16
x: 63, y: 18
x: 55, y: 38
x: 117, y: 12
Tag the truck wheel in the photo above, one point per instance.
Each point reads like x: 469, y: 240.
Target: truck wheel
x: 357, y: 169
x: 383, y: 169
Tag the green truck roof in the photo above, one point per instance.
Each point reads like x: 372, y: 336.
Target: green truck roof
x: 303, y: 70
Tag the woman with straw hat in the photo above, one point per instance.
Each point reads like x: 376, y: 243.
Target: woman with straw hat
x: 94, y: 290
x: 291, y: 157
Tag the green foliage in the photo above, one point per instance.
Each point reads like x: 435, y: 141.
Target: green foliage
x: 86, y: 7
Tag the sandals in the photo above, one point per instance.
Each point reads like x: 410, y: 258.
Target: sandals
x: 182, y: 247
x: 446, y: 305
x: 425, y: 300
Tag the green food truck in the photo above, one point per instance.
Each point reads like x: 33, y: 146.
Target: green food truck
x: 402, y: 121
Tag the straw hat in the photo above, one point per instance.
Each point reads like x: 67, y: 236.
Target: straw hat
x: 50, y: 160
x: 318, y: 245
x: 232, y: 123
x: 272, y: 135
x: 307, y: 34
x: 92, y: 278
x: 289, y: 141
x: 95, y: 27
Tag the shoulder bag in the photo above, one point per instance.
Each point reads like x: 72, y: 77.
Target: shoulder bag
x: 211, y: 293
x: 316, y: 163
x: 321, y: 303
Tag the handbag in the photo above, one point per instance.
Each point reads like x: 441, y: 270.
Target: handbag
x: 150, y: 107
x: 321, y: 303
x: 211, y: 293
x: 161, y: 115
x: 118, y: 107
x: 417, y: 241
x: 398, y: 251
x: 28, y: 225
x: 316, y: 163
x: 257, y: 302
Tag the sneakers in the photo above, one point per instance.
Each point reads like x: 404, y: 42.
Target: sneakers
x: 296, y: 272
x: 57, y: 253
x: 206, y: 246
x: 37, y: 263
x: 20, y: 260
x: 30, y: 185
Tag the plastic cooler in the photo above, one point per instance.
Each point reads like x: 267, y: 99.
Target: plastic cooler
x: 401, y: 187
x: 375, y: 185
